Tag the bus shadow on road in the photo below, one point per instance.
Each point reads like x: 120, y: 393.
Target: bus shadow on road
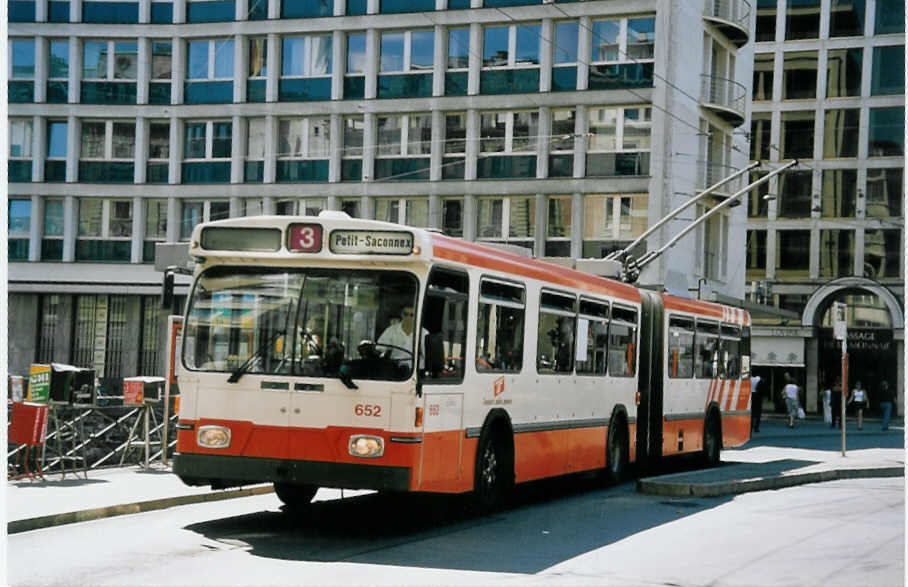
x: 545, y: 524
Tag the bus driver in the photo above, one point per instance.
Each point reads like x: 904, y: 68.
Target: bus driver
x: 400, y: 334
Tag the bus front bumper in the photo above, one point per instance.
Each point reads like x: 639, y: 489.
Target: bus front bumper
x: 222, y: 471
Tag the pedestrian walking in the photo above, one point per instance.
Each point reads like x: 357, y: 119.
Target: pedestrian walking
x: 887, y: 397
x: 859, y: 398
x: 836, y: 404
x: 756, y: 402
x: 790, y: 393
x: 827, y: 405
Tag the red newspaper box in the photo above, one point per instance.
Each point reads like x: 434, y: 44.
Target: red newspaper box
x: 138, y: 390
x: 28, y: 423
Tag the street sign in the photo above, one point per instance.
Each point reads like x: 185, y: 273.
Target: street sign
x: 839, y: 321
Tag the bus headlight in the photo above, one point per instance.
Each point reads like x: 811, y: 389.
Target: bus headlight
x: 214, y: 436
x: 367, y: 447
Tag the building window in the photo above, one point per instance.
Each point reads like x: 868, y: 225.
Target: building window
x: 623, y: 40
x: 882, y: 253
x: 162, y: 60
x: 558, y: 226
x: 797, y: 134
x: 756, y: 251
x: 408, y: 211
x: 100, y: 218
x: 306, y: 56
x: 846, y: 19
x: 56, y: 139
x: 841, y: 133
x: 793, y: 252
x: 766, y: 20
x: 58, y: 71
x: 108, y: 140
x: 510, y: 219
x: 618, y: 141
x: 802, y: 19
x: 452, y: 217
x: 888, y: 71
x: 356, y: 53
x: 149, y: 363
x: 843, y: 72
x: 885, y: 193
x: 890, y: 17
x: 408, y: 134
x: 353, y: 136
x: 209, y: 59
x: 110, y: 60
x: 458, y: 48
x: 611, y: 221
x: 404, y: 51
x: 351, y: 207
x: 252, y: 207
x: 304, y: 138
x: 258, y: 57
x: 763, y: 76
x: 53, y: 218
x: 795, y: 188
x: 799, y: 80
x: 22, y: 59
x: 210, y: 139
x: 511, y: 46
x: 155, y: 219
x: 836, y: 253
x: 758, y: 206
x: 886, y: 132
x: 839, y: 196
x: 20, y: 218
x: 712, y: 245
x: 193, y: 213
x: 508, y: 132
x: 20, y: 138
x: 159, y: 140
x: 47, y: 335
x: 760, y: 126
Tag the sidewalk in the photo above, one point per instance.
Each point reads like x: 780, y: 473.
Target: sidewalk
x: 764, y: 463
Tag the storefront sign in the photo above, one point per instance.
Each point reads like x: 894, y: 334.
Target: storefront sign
x: 39, y: 383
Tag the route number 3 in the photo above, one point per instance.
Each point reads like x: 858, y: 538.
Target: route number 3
x: 305, y: 238
x: 371, y: 411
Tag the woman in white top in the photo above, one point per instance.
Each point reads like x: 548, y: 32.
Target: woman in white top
x: 859, y: 399
x: 790, y: 391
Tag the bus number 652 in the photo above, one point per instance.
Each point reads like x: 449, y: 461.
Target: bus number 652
x: 372, y: 411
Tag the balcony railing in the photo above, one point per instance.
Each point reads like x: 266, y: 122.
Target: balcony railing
x: 725, y: 97
x: 732, y: 17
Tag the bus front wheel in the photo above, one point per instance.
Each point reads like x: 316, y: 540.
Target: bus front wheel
x: 491, y: 484
x: 293, y: 495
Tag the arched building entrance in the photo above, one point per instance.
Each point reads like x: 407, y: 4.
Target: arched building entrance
x: 875, y: 339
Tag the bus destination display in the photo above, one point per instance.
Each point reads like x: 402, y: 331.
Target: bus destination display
x: 371, y: 242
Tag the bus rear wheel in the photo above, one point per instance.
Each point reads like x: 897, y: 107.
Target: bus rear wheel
x: 616, y: 457
x: 294, y: 495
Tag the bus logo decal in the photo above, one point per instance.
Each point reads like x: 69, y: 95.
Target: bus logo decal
x: 498, y: 386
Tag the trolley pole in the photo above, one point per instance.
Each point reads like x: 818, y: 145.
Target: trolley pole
x: 840, y: 332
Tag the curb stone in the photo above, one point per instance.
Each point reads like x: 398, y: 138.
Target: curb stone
x: 719, y: 488
x: 25, y: 525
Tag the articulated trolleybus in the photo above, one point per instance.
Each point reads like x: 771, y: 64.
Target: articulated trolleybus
x: 336, y: 352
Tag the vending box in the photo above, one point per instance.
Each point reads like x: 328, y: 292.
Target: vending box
x: 28, y: 423
x: 139, y: 390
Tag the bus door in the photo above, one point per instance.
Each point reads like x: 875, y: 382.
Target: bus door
x: 441, y: 373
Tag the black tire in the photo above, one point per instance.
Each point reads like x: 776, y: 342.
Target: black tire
x: 712, y: 440
x: 616, y: 452
x: 490, y: 485
x: 293, y: 495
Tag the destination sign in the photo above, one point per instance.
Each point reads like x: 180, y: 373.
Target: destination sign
x: 371, y: 242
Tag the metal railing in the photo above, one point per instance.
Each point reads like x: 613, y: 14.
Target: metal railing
x: 736, y: 12
x: 723, y: 92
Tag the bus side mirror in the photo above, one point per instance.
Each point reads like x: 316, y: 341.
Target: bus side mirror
x: 167, y: 289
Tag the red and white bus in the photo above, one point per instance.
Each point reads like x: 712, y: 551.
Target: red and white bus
x: 337, y: 352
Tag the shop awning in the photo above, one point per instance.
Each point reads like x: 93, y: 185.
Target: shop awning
x: 777, y: 351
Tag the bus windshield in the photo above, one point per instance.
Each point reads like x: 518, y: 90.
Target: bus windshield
x: 313, y: 322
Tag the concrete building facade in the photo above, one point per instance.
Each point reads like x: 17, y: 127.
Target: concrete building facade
x: 562, y: 127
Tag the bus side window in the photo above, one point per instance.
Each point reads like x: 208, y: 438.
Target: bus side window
x: 707, y: 357
x: 680, y: 348
x: 593, y: 321
x: 445, y: 320
x: 622, y: 345
x: 499, y: 326
x: 555, y: 336
x: 730, y: 352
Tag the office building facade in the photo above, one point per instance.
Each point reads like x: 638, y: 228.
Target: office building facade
x: 561, y: 127
x: 829, y: 90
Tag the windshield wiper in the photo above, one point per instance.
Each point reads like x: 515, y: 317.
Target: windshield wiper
x: 241, y: 370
